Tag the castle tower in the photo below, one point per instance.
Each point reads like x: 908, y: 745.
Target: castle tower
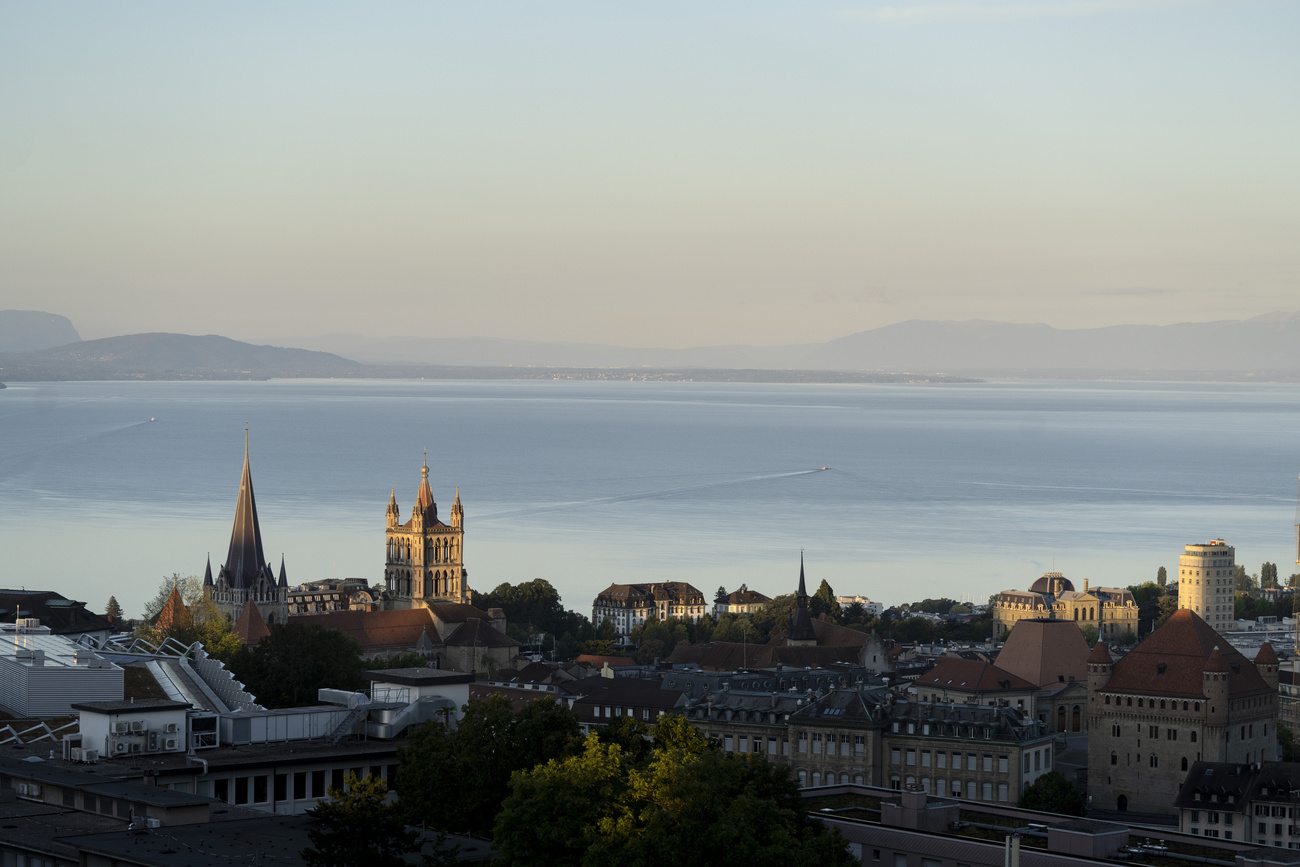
x: 424, y: 558
x: 1267, y: 664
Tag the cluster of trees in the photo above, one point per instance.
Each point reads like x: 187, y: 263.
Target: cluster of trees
x: 627, y: 795
x: 534, y: 612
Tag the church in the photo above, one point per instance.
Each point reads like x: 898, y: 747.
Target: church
x: 245, y: 577
x: 425, y: 561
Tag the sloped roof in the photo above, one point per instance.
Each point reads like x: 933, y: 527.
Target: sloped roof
x: 599, y: 661
x: 61, y: 615
x: 457, y: 612
x: 1100, y: 654
x: 1173, y: 659
x: 971, y: 675
x: 250, y: 628
x: 1266, y: 655
x: 174, y: 614
x: 479, y: 633
x: 747, y: 597
x: 244, y: 561
x: 1045, y: 651
x: 378, y: 630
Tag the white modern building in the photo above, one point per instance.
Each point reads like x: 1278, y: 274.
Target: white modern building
x: 42, y: 675
x: 1205, y: 582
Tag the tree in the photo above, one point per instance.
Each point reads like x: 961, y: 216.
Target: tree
x: 1286, y: 741
x: 959, y: 608
x: 721, y: 595
x: 1147, y: 596
x: 1165, y: 608
x: 1161, y: 577
x: 824, y: 602
x: 112, y: 610
x: 1052, y: 793
x: 293, y: 662
x: 1128, y: 639
x: 357, y: 825
x: 475, y: 760
x: 1241, y: 581
x: 189, y: 586
x: 1268, y: 576
x: 1089, y: 633
x: 686, y: 802
x: 536, y: 603
x: 774, y: 617
x: 854, y: 612
x: 607, y: 631
x: 410, y: 659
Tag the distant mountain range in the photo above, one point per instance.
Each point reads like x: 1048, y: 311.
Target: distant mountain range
x: 1262, y: 348
x: 1269, y: 343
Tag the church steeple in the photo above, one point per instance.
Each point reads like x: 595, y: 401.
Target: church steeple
x: 207, y: 574
x: 245, y: 561
x: 801, y: 628
x: 457, y: 513
x: 424, y: 499
x: 284, y: 576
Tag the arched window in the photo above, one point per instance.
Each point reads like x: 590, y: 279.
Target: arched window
x: 1114, y: 759
x: 1184, y: 763
x: 1193, y: 735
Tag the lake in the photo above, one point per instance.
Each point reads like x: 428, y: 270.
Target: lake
x: 897, y: 492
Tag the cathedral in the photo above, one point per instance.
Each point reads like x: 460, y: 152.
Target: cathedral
x: 245, y: 577
x: 425, y: 558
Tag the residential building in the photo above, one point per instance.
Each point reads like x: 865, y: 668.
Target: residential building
x: 245, y: 575
x: 1205, y: 582
x: 1183, y: 695
x: 973, y: 681
x: 599, y: 700
x: 425, y: 558
x: 60, y: 616
x: 1112, y: 611
x: 875, y: 609
x: 1234, y: 801
x: 742, y: 601
x: 627, y: 606
x: 332, y: 594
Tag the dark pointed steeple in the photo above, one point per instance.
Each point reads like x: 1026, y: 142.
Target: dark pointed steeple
x: 801, y: 628
x: 245, y: 562
x: 284, y: 576
x: 207, y: 573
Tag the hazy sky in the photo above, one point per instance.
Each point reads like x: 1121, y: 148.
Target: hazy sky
x: 655, y: 174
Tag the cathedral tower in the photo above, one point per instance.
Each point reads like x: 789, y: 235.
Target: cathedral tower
x: 425, y: 560
x: 245, y: 575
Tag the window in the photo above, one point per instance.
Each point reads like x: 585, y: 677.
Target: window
x: 241, y: 790
x: 803, y: 743
x: 300, y: 785
x: 1002, y: 764
x: 911, y: 757
x: 318, y: 784
x: 1114, y: 759
x: 1184, y: 763
x: 1155, y: 761
x: 259, y: 789
x: 1002, y: 792
x: 925, y: 758
x: 221, y: 790
x: 281, y: 787
x: 971, y: 762
x: 988, y: 763
x: 941, y: 759
x: 1193, y: 736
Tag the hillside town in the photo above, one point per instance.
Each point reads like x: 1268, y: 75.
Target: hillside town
x: 243, y: 715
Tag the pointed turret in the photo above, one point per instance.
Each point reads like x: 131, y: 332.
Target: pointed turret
x: 1267, y: 665
x: 424, y: 499
x: 284, y: 577
x: 207, y: 575
x: 801, y: 628
x: 174, y: 614
x: 394, y: 515
x: 245, y: 562
x: 250, y: 628
x: 457, y: 512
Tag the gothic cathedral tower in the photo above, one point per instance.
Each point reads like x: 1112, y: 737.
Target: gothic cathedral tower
x: 425, y: 560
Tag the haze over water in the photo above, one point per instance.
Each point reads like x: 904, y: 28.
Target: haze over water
x: 954, y: 490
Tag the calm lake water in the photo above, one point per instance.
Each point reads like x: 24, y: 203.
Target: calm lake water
x: 955, y: 490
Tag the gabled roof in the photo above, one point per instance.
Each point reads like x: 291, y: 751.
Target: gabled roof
x: 1045, y: 651
x: 245, y: 562
x: 747, y: 597
x: 971, y: 675
x: 174, y: 614
x: 378, y: 630
x: 1173, y: 659
x: 457, y: 612
x: 479, y: 633
x: 250, y: 628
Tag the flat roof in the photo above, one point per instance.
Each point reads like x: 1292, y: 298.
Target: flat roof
x: 419, y: 676
x: 140, y: 705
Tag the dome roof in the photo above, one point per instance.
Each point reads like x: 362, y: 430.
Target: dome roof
x: 1051, y: 582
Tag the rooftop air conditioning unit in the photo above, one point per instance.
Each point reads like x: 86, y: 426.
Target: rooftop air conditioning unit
x: 75, y: 754
x: 171, y: 727
x: 90, y: 756
x: 121, y: 728
x: 119, y: 747
x: 137, y: 748
x: 171, y: 744
x: 137, y: 725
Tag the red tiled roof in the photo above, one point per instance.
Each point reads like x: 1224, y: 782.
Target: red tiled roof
x: 1173, y: 659
x: 1266, y: 655
x: 457, y: 612
x: 971, y: 675
x: 1045, y: 651
x: 378, y: 630
x: 250, y: 627
x: 1100, y: 654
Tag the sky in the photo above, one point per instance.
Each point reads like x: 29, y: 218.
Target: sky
x: 668, y: 174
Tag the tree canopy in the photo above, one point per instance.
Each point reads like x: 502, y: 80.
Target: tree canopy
x: 357, y: 825
x: 456, y: 779
x: 293, y: 662
x: 1052, y: 793
x: 685, y: 803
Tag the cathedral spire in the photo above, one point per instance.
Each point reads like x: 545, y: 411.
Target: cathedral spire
x: 801, y: 628
x: 424, y: 499
x: 207, y: 573
x: 803, y: 590
x: 284, y: 577
x: 245, y: 561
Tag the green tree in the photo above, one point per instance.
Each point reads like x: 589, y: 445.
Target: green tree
x: 1052, y: 793
x: 1165, y: 608
x: 1242, y: 581
x: 959, y: 609
x: 686, y: 803
x: 1147, y: 596
x: 1161, y: 576
x: 1128, y: 638
x: 1286, y: 741
x: 289, y: 666
x: 1089, y: 633
x: 721, y: 595
x: 536, y: 603
x: 824, y: 602
x: 476, y: 759
x: 112, y: 610
x: 1268, y: 576
x: 854, y: 612
x: 410, y: 659
x: 607, y: 631
x: 357, y: 825
x: 774, y: 617
x: 915, y: 629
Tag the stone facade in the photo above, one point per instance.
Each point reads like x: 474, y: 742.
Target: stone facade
x: 1112, y: 611
x: 1205, y: 581
x: 425, y: 558
x: 1181, y: 696
x: 627, y: 606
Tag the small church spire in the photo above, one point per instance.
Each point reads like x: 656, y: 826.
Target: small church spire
x: 284, y: 577
x: 207, y: 573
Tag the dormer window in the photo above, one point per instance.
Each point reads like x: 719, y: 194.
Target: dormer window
x: 1160, y: 667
